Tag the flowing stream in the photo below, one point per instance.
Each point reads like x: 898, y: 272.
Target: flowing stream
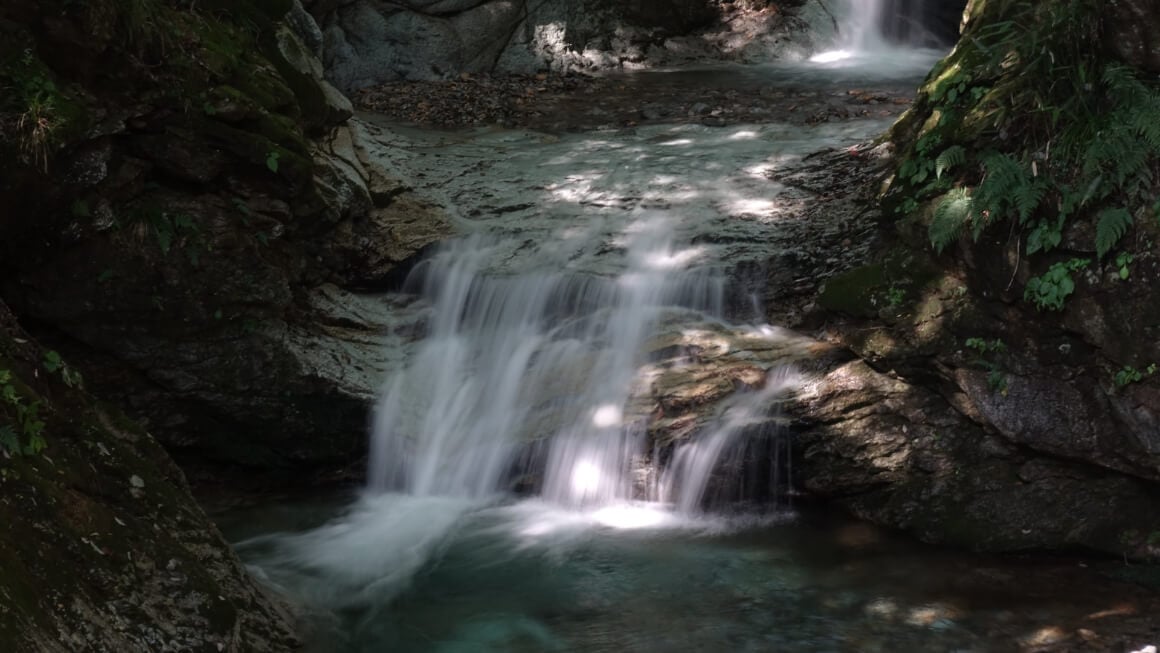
x: 516, y: 501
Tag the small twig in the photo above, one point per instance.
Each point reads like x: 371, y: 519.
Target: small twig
x: 1018, y: 257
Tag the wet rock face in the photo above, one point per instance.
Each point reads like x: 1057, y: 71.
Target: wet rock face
x: 103, y: 548
x: 366, y: 43
x: 238, y: 345
x: 1130, y: 32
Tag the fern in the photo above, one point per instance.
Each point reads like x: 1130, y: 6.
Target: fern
x: 951, y: 157
x: 1112, y: 226
x: 951, y: 216
x: 1007, y: 180
x: 1027, y: 198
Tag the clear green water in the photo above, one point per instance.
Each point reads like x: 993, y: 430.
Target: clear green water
x: 526, y: 577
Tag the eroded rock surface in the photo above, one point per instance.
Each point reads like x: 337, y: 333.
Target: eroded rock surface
x: 103, y: 547
x: 367, y: 43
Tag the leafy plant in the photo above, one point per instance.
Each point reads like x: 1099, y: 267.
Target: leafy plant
x: 24, y: 435
x: 1049, y: 290
x: 996, y: 377
x: 1113, y: 224
x: 986, y: 346
x: 953, y: 156
x: 54, y: 363
x: 895, y: 297
x: 1123, y: 260
x: 169, y: 229
x: 272, y: 160
x: 1129, y: 375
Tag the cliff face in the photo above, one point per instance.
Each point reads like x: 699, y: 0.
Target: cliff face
x: 185, y: 202
x: 103, y: 548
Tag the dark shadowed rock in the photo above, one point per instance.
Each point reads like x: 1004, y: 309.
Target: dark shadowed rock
x: 103, y: 548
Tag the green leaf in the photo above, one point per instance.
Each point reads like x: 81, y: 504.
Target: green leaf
x: 183, y: 221
x: 953, y: 156
x: 1112, y: 226
x: 36, y: 442
x: 951, y: 216
x: 1043, y: 238
x: 52, y: 361
x: 272, y: 161
x: 8, y: 439
x: 164, y: 238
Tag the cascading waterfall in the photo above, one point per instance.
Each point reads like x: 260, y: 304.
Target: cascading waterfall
x: 540, y: 363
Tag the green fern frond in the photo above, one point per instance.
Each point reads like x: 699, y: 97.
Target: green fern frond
x: 1027, y: 198
x: 951, y: 157
x: 1006, y: 181
x: 950, y: 218
x: 1004, y: 174
x: 1112, y: 226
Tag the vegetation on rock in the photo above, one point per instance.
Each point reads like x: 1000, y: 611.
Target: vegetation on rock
x: 1029, y: 123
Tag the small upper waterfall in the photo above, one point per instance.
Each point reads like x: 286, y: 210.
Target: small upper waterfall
x: 875, y: 25
x: 889, y: 37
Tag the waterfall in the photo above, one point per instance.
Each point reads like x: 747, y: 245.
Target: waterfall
x: 861, y: 31
x: 687, y: 478
x: 890, y: 37
x: 535, y: 367
x: 876, y: 25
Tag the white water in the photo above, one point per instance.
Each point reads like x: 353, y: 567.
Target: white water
x: 874, y: 36
x: 548, y: 356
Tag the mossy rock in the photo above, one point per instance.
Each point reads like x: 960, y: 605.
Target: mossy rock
x: 894, y: 282
x: 266, y: 88
x: 258, y: 149
x: 855, y: 292
x: 261, y: 14
x: 101, y: 529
